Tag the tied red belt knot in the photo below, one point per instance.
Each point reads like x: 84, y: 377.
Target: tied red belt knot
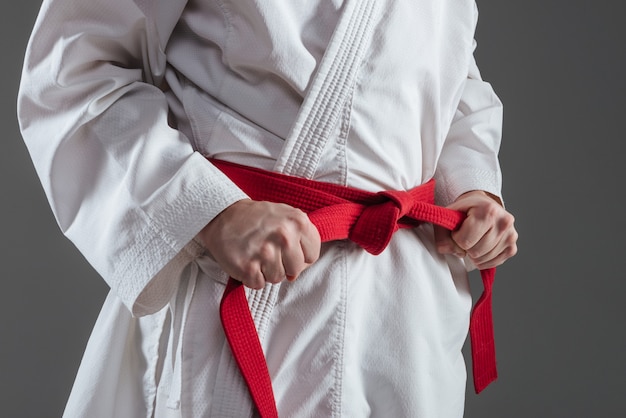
x: 377, y: 223
x: 339, y: 212
x: 372, y: 218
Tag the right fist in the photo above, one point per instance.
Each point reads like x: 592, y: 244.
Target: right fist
x: 258, y: 242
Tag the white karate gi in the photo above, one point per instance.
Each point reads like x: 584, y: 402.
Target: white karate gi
x: 120, y: 155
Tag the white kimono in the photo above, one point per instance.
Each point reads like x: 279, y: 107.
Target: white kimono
x: 121, y: 101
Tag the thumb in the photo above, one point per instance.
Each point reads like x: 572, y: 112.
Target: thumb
x: 445, y: 244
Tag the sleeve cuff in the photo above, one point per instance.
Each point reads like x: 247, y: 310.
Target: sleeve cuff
x: 147, y: 273
x: 449, y: 189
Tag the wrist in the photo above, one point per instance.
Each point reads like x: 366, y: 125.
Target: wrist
x: 481, y: 193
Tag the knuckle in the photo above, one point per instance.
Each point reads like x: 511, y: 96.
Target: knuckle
x: 300, y: 218
x: 464, y: 244
x: 271, y: 279
x: 249, y: 271
x: 492, y: 210
x: 266, y: 251
x: 252, y: 281
x: 282, y: 233
x: 294, y: 265
x: 311, y: 257
x: 511, y: 240
x: 275, y: 279
x: 507, y: 221
x: 474, y: 254
x: 461, y: 239
x: 511, y: 251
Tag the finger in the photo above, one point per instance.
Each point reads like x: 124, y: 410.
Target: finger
x: 488, y: 258
x: 310, y: 242
x: 471, y: 231
x: 497, y: 260
x: 500, y: 236
x: 272, y: 273
x: 251, y: 276
x: 505, y: 249
x: 271, y: 263
x: 488, y: 244
x: 445, y: 244
x: 293, y: 259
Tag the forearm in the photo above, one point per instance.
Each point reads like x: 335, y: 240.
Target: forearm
x: 125, y: 187
x: 469, y: 157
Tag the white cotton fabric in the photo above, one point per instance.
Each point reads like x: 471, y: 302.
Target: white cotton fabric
x: 119, y: 104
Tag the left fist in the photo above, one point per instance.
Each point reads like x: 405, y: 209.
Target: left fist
x: 487, y: 235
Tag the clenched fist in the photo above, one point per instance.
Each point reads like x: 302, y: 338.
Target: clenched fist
x: 487, y: 235
x: 259, y: 242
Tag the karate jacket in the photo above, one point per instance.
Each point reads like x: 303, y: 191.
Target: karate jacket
x: 121, y: 102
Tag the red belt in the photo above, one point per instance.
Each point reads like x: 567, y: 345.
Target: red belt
x: 339, y: 212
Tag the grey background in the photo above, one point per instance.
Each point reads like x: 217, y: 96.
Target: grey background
x: 559, y: 312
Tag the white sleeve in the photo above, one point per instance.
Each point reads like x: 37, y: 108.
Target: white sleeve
x: 124, y: 186
x: 469, y: 157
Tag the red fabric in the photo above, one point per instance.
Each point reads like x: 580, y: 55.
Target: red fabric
x: 339, y: 212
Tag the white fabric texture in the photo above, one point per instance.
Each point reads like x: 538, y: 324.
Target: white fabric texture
x: 120, y: 102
